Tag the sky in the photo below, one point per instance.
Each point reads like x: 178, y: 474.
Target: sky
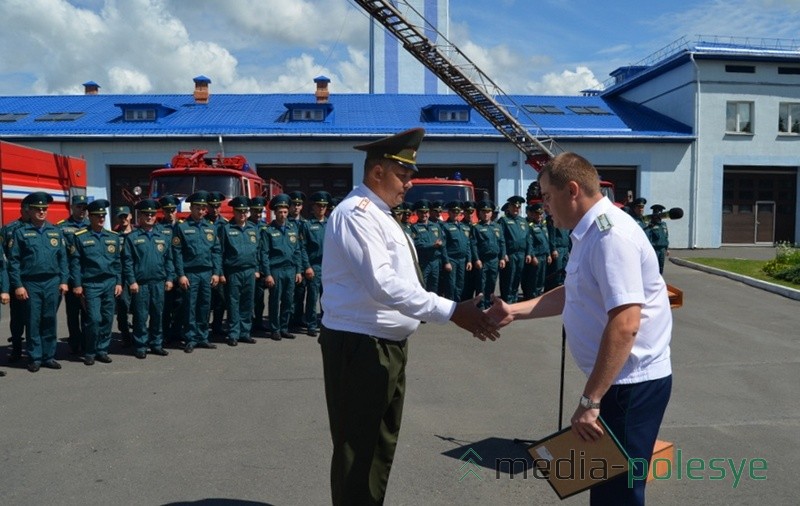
x: 548, y: 47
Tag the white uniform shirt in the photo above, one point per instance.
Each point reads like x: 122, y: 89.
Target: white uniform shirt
x: 368, y: 273
x: 613, y: 264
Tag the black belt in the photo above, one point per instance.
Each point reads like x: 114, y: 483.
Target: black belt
x: 391, y: 342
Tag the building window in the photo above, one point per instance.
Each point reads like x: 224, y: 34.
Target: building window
x: 60, y: 116
x: 307, y: 115
x: 588, y: 110
x: 740, y: 69
x: 739, y: 117
x: 446, y: 115
x: 789, y: 70
x: 10, y: 117
x: 789, y: 118
x: 542, y: 109
x: 140, y: 114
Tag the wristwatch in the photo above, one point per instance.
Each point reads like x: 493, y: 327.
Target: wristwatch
x: 587, y: 403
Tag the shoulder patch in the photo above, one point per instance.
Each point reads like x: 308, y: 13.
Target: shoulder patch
x: 82, y: 231
x: 365, y: 202
x: 113, y: 232
x: 603, y: 222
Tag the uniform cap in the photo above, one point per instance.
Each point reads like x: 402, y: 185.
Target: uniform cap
x: 422, y: 205
x: 297, y: 197
x: 147, y: 206
x: 257, y: 203
x: 639, y: 201
x: 240, y: 203
x: 469, y: 204
x: 168, y: 202
x: 121, y: 210
x: 321, y: 197
x: 215, y: 198
x: 78, y: 199
x: 402, y: 148
x: 485, y: 205
x: 437, y: 205
x: 335, y: 201
x: 657, y: 208
x: 455, y: 205
x: 39, y: 199
x: 534, y: 207
x: 516, y: 200
x: 200, y: 197
x: 99, y: 206
x: 281, y: 200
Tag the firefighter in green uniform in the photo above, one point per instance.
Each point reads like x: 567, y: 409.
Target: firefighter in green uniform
x: 405, y: 219
x: 515, y: 232
x: 76, y: 315
x: 218, y: 303
x: 123, y: 227
x: 37, y: 269
x: 430, y: 245
x: 460, y: 251
x: 560, y: 244
x: 16, y: 321
x: 148, y: 270
x: 257, y: 205
x: 658, y: 234
x: 312, y: 238
x: 296, y: 201
x: 171, y: 315
x: 491, y: 247
x: 96, y: 271
x: 4, y: 296
x: 198, y: 265
x: 239, y: 245
x: 281, y: 266
x: 472, y: 278
x: 638, y: 211
x: 534, y: 272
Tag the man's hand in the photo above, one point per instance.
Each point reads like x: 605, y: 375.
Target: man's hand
x: 62, y: 289
x: 5, y: 298
x: 167, y: 286
x: 77, y: 291
x: 214, y: 280
x: 447, y: 267
x: 117, y: 290
x: 469, y: 316
x: 183, y: 282
x: 500, y: 312
x: 309, y: 273
x: 270, y: 282
x: 222, y: 280
x: 585, y: 425
x: 502, y: 263
x: 133, y: 288
x: 21, y: 293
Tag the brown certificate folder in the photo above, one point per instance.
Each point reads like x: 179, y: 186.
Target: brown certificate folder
x: 572, y: 465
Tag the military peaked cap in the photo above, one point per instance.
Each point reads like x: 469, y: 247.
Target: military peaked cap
x: 321, y: 197
x: 485, y: 205
x: 240, y: 203
x: 200, y: 197
x: 147, y: 206
x: 78, y: 200
x: 257, y: 203
x: 120, y: 210
x: 39, y: 199
x: 99, y: 206
x: 168, y: 202
x: 516, y: 200
x: 402, y: 148
x: 281, y: 200
x: 454, y: 204
x: 297, y: 197
x: 422, y: 205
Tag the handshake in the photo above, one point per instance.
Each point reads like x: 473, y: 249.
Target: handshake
x: 482, y: 324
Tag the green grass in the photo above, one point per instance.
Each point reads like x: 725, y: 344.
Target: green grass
x: 749, y: 268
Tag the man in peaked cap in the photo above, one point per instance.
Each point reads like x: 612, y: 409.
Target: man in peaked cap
x: 313, y: 236
x: 16, y: 321
x: 658, y: 235
x: 96, y: 271
x: 491, y: 248
x: 460, y: 251
x: 257, y: 205
x: 515, y: 232
x: 296, y: 200
x: 123, y: 225
x: 198, y: 265
x: 280, y: 266
x: 374, y: 300
x: 218, y: 302
x: 37, y: 268
x: 533, y: 273
x: 148, y: 270
x: 239, y: 245
x: 637, y: 211
x: 171, y: 319
x: 76, y: 314
x: 431, y: 246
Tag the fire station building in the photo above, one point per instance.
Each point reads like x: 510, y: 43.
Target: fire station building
x: 710, y: 126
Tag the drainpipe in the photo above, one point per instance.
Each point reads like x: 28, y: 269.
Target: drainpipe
x: 695, y: 170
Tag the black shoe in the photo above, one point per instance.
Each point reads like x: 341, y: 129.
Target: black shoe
x: 275, y: 336
x: 33, y: 366
x: 2, y: 373
x: 260, y: 327
x: 161, y: 352
x: 104, y: 359
x: 127, y: 341
x: 15, y: 356
x: 140, y: 354
x: 287, y: 335
x: 88, y: 360
x: 295, y: 328
x: 51, y: 364
x: 248, y: 340
x: 232, y: 342
x: 74, y: 350
x: 206, y: 345
x: 189, y: 348
x: 313, y: 332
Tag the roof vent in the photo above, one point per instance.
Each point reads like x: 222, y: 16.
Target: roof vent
x: 91, y: 88
x: 201, y: 89
x: 322, y: 92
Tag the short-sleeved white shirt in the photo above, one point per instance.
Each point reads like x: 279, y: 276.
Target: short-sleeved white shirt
x: 369, y: 273
x: 612, y: 264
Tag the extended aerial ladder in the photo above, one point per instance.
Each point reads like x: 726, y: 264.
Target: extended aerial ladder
x: 462, y: 76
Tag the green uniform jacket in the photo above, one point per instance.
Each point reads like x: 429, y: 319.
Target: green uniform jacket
x: 147, y: 258
x: 239, y: 247
x: 95, y: 257
x: 69, y: 228
x: 313, y: 238
x: 280, y: 248
x: 540, y: 241
x: 195, y: 248
x: 37, y: 254
x: 425, y: 236
x: 515, y: 232
x: 459, y: 240
x: 490, y: 241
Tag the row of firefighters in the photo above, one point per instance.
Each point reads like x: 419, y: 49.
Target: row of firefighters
x: 179, y: 278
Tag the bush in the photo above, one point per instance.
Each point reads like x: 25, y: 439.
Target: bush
x: 786, y: 265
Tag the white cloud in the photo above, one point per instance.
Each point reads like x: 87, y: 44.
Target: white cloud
x: 567, y: 82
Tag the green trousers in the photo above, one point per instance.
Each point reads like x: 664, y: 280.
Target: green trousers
x: 365, y: 382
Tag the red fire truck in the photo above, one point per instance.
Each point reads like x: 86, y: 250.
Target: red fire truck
x: 191, y: 171
x: 444, y: 189
x: 24, y: 170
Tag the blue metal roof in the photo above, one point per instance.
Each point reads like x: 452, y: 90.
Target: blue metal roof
x: 352, y: 115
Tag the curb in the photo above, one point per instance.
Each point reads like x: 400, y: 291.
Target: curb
x: 785, y: 291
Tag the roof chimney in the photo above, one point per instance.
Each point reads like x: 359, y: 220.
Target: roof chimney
x: 201, y: 89
x: 322, y: 92
x: 91, y: 88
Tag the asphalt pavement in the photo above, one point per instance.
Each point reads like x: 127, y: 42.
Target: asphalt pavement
x: 248, y: 425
